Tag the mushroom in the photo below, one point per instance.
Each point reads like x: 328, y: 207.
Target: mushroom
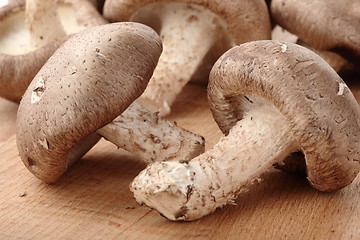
x: 3, y: 3
x: 323, y: 24
x: 24, y: 48
x: 336, y: 61
x: 190, y: 31
x: 270, y: 99
x: 99, y: 4
x: 88, y: 82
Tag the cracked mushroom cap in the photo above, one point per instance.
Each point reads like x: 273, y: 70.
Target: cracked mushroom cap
x: 323, y: 24
x: 90, y: 80
x: 247, y: 16
x: 19, y: 61
x: 318, y: 106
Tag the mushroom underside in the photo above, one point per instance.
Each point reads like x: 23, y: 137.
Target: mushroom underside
x: 15, y: 37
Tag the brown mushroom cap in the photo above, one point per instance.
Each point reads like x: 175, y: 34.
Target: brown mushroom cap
x: 321, y: 111
x: 98, y: 4
x: 323, y: 24
x: 72, y: 96
x: 17, y: 70
x: 247, y: 16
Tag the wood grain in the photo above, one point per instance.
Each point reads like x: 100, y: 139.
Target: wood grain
x: 93, y: 201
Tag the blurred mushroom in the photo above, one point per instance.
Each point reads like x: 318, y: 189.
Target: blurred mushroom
x: 88, y: 82
x: 3, y: 3
x: 24, y: 48
x: 323, y: 24
x: 99, y: 4
x: 270, y: 99
x: 190, y: 30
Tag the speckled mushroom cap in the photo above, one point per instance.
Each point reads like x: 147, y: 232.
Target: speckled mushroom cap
x: 321, y: 111
x: 91, y: 79
x: 323, y: 24
x: 17, y: 70
x: 246, y: 16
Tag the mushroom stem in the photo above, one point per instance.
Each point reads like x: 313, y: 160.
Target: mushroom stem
x: 188, y: 191
x: 150, y: 137
x: 43, y: 22
x: 187, y: 32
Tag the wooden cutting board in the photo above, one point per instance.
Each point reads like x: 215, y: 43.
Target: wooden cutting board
x: 93, y: 201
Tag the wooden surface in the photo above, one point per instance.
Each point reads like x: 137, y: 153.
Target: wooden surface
x: 92, y: 200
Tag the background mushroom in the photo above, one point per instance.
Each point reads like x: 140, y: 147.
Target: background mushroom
x: 322, y: 24
x: 191, y: 31
x: 25, y: 48
x: 336, y: 61
x: 3, y: 3
x: 270, y: 99
x: 89, y: 81
x: 99, y: 4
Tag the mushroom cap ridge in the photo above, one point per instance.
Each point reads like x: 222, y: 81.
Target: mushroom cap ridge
x: 246, y: 20
x: 321, y: 111
x: 91, y: 79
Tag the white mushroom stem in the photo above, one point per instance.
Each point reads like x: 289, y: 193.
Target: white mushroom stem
x: 43, y: 22
x: 150, y: 137
x: 188, y: 191
x: 187, y: 32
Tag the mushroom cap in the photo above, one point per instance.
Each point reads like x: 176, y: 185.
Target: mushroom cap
x: 246, y: 20
x: 321, y: 111
x: 326, y: 24
x: 90, y: 80
x: 98, y: 4
x: 17, y: 71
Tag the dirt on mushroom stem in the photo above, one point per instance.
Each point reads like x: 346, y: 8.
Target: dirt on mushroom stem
x: 213, y: 178
x: 150, y: 137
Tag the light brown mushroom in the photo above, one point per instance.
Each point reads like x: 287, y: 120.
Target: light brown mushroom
x: 322, y: 24
x: 24, y: 48
x: 88, y: 82
x: 190, y: 31
x: 270, y: 99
